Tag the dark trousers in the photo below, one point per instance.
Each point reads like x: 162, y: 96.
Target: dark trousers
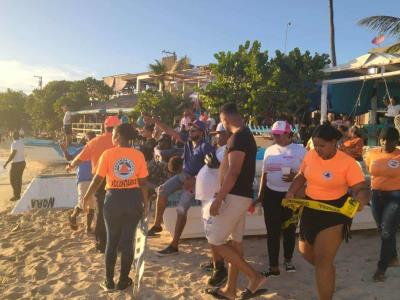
x: 275, y: 215
x: 386, y: 211
x: 100, y: 229
x: 16, y: 171
x: 123, y: 210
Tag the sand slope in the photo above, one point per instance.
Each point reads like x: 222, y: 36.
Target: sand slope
x: 42, y: 258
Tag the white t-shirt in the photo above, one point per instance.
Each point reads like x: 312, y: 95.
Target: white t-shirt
x: 207, y: 183
x: 18, y: 146
x: 67, y: 118
x: 275, y: 158
x: 393, y: 110
x: 211, y: 123
x: 185, y: 121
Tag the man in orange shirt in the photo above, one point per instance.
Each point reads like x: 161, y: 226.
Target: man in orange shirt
x: 92, y: 151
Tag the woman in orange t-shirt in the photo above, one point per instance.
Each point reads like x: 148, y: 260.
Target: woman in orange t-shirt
x: 329, y: 174
x: 383, y: 164
x: 354, y: 145
x: 125, y: 172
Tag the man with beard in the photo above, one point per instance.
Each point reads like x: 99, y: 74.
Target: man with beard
x: 195, y: 150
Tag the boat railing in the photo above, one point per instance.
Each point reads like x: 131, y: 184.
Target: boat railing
x: 80, y: 129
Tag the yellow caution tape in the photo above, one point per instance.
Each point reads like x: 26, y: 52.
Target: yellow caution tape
x: 293, y: 220
x: 348, y: 209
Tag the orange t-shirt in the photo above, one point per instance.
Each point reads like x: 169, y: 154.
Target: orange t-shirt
x: 95, y: 148
x: 122, y: 168
x: 330, y: 179
x: 353, y: 147
x: 384, y: 169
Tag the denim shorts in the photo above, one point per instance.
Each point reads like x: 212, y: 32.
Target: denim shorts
x: 174, y: 184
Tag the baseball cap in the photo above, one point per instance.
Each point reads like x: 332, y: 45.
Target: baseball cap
x: 220, y: 128
x: 112, y: 121
x: 199, y: 125
x: 281, y: 127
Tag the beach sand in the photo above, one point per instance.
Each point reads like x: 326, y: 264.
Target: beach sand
x: 42, y: 258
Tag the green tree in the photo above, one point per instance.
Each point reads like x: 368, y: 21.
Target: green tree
x: 12, y: 113
x: 45, y: 105
x: 260, y: 85
x: 294, y: 77
x: 240, y: 77
x: 160, y: 70
x: 384, y: 25
x: 166, y: 106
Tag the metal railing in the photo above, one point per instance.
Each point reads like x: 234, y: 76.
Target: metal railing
x: 80, y: 129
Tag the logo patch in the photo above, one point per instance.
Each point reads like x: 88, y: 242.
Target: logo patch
x: 393, y: 164
x: 124, y: 168
x: 327, y: 175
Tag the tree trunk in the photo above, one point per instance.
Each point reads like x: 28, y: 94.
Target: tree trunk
x: 332, y: 31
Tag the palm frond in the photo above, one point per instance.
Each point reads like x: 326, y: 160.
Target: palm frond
x: 383, y: 24
x: 393, y: 49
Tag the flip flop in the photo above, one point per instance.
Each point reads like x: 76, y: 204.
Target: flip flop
x: 247, y: 294
x: 215, y: 293
x: 72, y: 223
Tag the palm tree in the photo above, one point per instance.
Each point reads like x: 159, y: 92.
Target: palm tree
x: 332, y: 31
x: 160, y: 70
x: 384, y: 25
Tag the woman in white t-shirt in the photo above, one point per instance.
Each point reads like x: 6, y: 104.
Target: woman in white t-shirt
x: 17, y: 157
x: 281, y: 163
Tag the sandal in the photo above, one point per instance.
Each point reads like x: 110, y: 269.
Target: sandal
x: 72, y: 222
x: 122, y: 285
x: 247, y: 294
x: 215, y: 293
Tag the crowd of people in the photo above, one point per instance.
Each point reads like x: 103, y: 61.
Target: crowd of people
x: 120, y: 172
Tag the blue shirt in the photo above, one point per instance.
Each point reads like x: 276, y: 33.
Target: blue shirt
x: 84, y: 170
x: 193, y: 158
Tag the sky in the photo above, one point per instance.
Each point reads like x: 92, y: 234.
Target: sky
x: 74, y: 39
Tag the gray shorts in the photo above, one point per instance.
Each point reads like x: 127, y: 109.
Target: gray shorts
x: 174, y: 184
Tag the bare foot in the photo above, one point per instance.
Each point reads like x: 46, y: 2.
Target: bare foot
x: 224, y: 292
x: 257, y: 284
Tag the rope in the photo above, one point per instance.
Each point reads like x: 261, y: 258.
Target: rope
x: 358, y: 101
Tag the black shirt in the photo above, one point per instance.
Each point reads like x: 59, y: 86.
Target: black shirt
x: 243, y: 140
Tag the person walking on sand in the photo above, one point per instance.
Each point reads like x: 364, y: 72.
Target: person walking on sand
x: 383, y: 164
x: 92, y: 151
x: 231, y: 203
x: 84, y: 177
x: 328, y: 174
x: 125, y: 171
x: 281, y: 163
x: 18, y: 165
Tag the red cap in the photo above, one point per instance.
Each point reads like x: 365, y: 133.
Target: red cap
x: 112, y: 121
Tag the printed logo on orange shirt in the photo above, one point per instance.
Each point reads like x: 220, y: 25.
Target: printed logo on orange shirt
x: 124, y: 168
x: 393, y: 164
x: 327, y: 175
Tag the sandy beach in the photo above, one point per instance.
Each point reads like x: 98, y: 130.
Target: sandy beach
x: 42, y: 258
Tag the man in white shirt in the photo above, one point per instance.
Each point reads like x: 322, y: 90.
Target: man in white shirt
x: 393, y: 109
x: 67, y: 125
x: 207, y: 184
x: 18, y: 165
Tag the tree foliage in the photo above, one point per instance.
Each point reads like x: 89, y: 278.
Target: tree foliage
x: 12, y: 113
x: 166, y: 105
x: 258, y: 84
x: 45, y: 106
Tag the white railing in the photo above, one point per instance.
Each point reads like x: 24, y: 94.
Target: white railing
x: 80, y: 129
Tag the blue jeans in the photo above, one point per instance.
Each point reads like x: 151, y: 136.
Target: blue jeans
x: 386, y: 211
x: 123, y: 210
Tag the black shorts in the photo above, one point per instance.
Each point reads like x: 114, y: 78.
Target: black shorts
x: 68, y: 129
x: 313, y: 221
